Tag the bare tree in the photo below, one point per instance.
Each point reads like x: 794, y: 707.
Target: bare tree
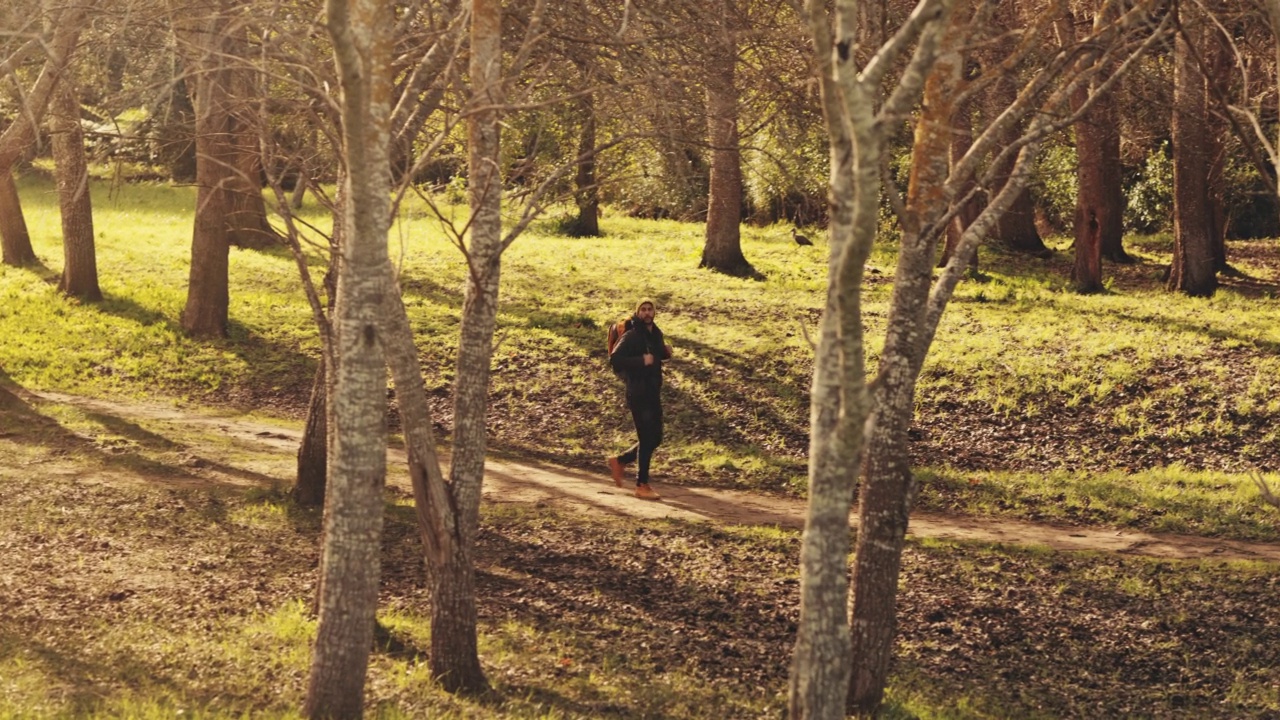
x: 350, y: 564
x: 67, y: 22
x: 848, y: 413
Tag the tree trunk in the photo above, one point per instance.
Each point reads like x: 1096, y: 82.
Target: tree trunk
x: 587, y: 194
x: 313, y: 451
x: 208, y: 295
x: 961, y: 141
x: 309, y: 487
x: 14, y: 238
x: 350, y: 564
x: 80, y: 267
x: 885, y: 499
x: 840, y: 403
x: 247, y: 218
x: 1217, y: 62
x: 13, y: 226
x: 1016, y: 230
x: 723, y: 249
x: 1108, y: 195
x: 453, y: 618
x: 1193, y: 260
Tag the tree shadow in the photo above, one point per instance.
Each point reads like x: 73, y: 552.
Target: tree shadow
x: 22, y: 422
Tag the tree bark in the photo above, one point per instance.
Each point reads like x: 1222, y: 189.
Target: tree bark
x: 247, y: 218
x: 1193, y: 259
x: 1109, y: 199
x: 313, y: 456
x: 208, y: 295
x: 1016, y: 229
x: 453, y: 619
x: 15, y: 242
x: 313, y: 451
x: 587, y: 194
x: 961, y: 141
x: 350, y: 565
x: 840, y: 402
x: 723, y: 249
x: 80, y: 266
x: 13, y: 226
x: 887, y: 488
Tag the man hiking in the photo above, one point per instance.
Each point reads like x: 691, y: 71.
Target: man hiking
x: 638, y: 356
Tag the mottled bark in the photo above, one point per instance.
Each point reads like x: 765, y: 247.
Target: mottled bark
x: 15, y: 242
x: 453, y: 631
x: 840, y: 405
x: 350, y: 565
x: 885, y: 499
x: 722, y: 250
x: 1193, y: 270
x: 80, y: 265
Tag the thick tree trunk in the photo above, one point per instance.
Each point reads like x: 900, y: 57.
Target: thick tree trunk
x: 587, y: 194
x: 14, y: 238
x: 80, y: 266
x: 1016, y: 230
x: 13, y: 226
x: 208, y: 295
x: 723, y: 249
x: 1193, y: 257
x: 455, y: 658
x: 1217, y: 62
x: 1108, y: 193
x: 350, y: 565
x: 1091, y: 209
x: 247, y: 218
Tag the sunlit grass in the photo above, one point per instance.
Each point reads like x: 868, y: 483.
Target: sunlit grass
x: 1015, y: 343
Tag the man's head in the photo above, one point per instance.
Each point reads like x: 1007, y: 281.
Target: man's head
x: 645, y: 311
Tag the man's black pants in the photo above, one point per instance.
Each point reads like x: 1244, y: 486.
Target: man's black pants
x: 647, y: 415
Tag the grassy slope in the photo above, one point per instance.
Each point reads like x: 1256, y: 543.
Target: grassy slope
x: 1136, y: 407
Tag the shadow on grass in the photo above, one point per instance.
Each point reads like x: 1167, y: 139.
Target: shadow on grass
x: 22, y: 421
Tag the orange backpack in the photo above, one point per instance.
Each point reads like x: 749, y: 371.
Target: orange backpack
x: 611, y: 341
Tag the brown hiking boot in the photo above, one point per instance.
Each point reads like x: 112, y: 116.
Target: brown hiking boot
x: 615, y: 467
x: 644, y: 492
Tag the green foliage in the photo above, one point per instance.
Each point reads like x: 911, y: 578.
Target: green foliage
x: 1054, y: 184
x: 1150, y: 193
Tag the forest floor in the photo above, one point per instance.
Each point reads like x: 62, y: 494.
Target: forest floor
x: 570, y: 489
x: 150, y: 563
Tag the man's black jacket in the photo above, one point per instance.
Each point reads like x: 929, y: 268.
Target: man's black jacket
x: 644, y: 382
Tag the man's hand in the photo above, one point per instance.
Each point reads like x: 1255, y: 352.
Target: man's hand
x: 648, y: 359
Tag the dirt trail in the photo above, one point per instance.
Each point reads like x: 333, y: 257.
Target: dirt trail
x: 508, y: 481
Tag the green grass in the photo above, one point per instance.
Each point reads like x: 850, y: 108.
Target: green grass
x: 1100, y: 399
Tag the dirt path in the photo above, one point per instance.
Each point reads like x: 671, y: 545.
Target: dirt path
x: 508, y: 481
